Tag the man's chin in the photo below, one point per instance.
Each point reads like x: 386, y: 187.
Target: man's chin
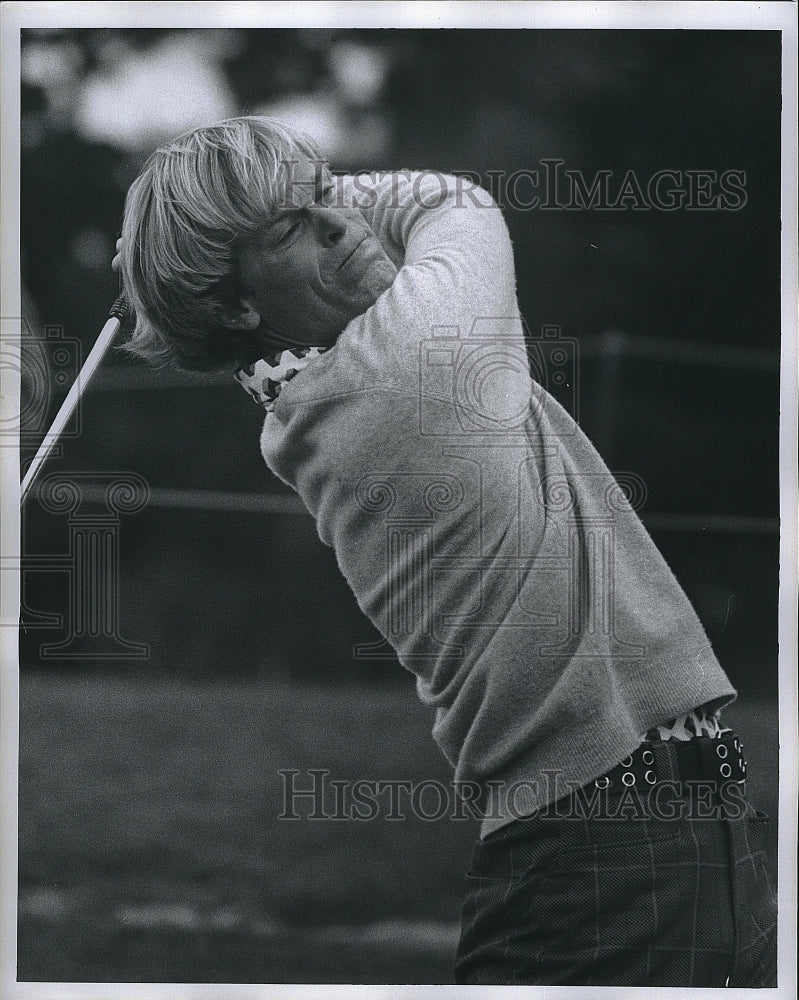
x: 271, y: 342
x: 327, y: 329
x: 379, y: 278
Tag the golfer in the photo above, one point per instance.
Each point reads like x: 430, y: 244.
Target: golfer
x: 576, y: 694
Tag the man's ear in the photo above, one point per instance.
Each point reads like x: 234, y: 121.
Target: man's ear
x: 239, y: 315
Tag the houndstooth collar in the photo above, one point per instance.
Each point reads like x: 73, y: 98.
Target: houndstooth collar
x: 263, y: 379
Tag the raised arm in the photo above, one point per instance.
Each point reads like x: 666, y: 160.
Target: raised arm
x: 417, y: 213
x: 455, y: 262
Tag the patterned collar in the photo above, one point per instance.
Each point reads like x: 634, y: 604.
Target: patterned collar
x: 264, y: 379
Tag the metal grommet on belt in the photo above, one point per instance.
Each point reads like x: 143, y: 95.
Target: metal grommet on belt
x: 703, y: 758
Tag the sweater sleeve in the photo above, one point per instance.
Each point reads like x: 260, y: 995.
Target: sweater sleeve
x: 454, y: 295
x: 396, y: 204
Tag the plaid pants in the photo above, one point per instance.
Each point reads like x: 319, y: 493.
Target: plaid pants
x: 611, y: 900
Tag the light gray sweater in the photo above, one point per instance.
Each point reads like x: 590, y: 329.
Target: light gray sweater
x: 476, y: 524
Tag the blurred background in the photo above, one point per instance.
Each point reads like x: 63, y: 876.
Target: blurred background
x: 150, y: 744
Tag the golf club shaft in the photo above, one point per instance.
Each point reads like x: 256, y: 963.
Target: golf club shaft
x: 115, y: 319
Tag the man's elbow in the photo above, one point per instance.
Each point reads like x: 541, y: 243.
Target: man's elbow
x: 433, y: 189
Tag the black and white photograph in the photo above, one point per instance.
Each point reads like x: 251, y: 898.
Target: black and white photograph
x: 399, y: 483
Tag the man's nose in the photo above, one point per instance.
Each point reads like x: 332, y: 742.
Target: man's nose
x: 330, y: 223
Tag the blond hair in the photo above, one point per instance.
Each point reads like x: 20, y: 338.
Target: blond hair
x: 194, y: 205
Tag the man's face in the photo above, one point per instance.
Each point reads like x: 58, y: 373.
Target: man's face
x: 313, y: 267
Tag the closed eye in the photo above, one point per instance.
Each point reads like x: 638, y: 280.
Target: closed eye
x: 288, y: 231
x: 289, y: 228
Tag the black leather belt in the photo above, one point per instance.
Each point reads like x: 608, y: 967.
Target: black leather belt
x: 715, y: 760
